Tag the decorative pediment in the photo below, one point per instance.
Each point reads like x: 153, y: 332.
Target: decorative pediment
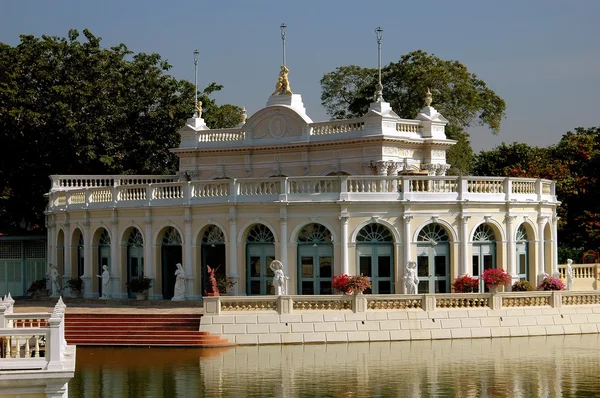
x: 276, y: 123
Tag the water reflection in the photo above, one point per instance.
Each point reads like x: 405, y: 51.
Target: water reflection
x: 526, y: 367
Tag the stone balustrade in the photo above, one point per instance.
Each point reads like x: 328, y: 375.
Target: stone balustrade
x: 343, y: 318
x: 585, y: 276
x: 33, y: 340
x: 127, y: 191
x: 336, y: 127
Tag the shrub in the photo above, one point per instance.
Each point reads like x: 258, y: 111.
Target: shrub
x: 551, y: 283
x: 351, y: 284
x: 465, y: 284
x: 225, y: 282
x: 522, y: 286
x: 37, y: 286
x: 139, y: 284
x: 75, y: 284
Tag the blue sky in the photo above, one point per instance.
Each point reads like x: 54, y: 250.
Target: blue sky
x: 541, y: 56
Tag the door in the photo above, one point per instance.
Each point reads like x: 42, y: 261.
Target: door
x: 483, y: 258
x: 316, y: 268
x: 433, y: 269
x: 214, y: 256
x: 260, y: 276
x: 376, y: 261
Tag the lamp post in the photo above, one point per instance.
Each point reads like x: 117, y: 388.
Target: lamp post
x: 196, y: 53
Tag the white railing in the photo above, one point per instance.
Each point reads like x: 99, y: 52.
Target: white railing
x: 336, y: 127
x: 220, y: 136
x: 585, y: 276
x: 32, y: 340
x: 291, y: 189
x: 373, y: 303
x: 404, y: 127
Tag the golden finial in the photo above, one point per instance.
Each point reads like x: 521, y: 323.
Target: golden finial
x: 428, y: 98
x: 199, y: 109
x: 283, y: 84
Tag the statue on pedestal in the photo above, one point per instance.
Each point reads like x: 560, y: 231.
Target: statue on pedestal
x: 211, y: 286
x: 105, y: 280
x: 570, y: 276
x: 179, y: 293
x: 411, y: 280
x: 278, y: 277
x: 54, y: 282
x: 283, y: 84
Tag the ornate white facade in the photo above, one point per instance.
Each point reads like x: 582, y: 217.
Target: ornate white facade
x: 365, y: 195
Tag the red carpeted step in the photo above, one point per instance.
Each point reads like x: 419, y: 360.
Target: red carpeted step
x: 138, y: 330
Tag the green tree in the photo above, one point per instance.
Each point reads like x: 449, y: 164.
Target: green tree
x: 72, y: 107
x: 459, y: 95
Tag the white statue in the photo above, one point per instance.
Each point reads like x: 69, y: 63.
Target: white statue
x: 278, y: 277
x: 411, y: 280
x: 179, y: 293
x: 569, y: 274
x: 105, y: 280
x: 54, y: 282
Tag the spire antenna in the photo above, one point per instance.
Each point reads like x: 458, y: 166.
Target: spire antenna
x: 379, y: 91
x: 283, y: 27
x: 196, y: 53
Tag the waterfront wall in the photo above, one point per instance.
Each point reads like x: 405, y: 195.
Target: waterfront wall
x: 329, y: 319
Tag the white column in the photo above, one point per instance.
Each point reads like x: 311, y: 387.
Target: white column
x: 148, y: 245
x: 187, y: 252
x: 344, y: 244
x: 115, y: 287
x: 464, y: 245
x: 407, y: 240
x: 555, y: 272
x: 233, y: 261
x: 87, y: 259
x: 67, y: 250
x: 284, y: 243
x: 511, y: 252
x: 541, y: 261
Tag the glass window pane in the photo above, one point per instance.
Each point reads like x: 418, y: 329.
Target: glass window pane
x: 325, y: 267
x: 475, y: 266
x: 254, y: 266
x: 270, y: 287
x: 307, y: 287
x: 441, y: 287
x: 423, y: 286
x: 307, y: 266
x: 384, y: 268
x: 385, y: 287
x: 440, y: 265
x: 254, y: 287
x: 423, y: 266
x: 522, y: 264
x: 365, y: 266
x: 325, y: 288
x: 488, y: 262
x: 268, y: 261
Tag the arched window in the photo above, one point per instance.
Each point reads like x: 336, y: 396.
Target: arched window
x: 314, y: 233
x: 522, y: 243
x: 260, y: 234
x: 260, y: 252
x: 135, y: 256
x: 374, y: 233
x: 484, y: 233
x: 213, y: 235
x: 171, y: 237
x: 484, y: 251
x: 433, y: 233
x: 433, y: 265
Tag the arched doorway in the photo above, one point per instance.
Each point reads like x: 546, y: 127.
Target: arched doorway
x: 103, y: 255
x: 375, y: 254
x: 522, y: 244
x: 171, y: 254
x: 135, y: 256
x: 213, y: 253
x: 484, y: 252
x: 315, y: 256
x: 260, y: 251
x: 432, y: 259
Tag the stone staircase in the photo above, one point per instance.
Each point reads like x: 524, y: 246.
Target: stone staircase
x: 149, y: 330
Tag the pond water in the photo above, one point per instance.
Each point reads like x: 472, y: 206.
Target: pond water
x: 551, y: 366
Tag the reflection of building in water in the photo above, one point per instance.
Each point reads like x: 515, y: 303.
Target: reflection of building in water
x: 364, y: 195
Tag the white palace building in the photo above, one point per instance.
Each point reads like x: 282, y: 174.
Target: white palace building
x: 355, y: 196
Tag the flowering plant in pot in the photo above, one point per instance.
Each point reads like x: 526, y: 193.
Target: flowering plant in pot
x: 551, y: 283
x: 465, y: 284
x: 522, y: 286
x: 225, y: 283
x: 495, y: 277
x: 38, y: 288
x: 351, y: 283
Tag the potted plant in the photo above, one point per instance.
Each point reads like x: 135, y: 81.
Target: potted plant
x: 351, y: 284
x: 522, y: 286
x: 139, y: 285
x: 495, y: 277
x: 75, y: 285
x: 465, y: 284
x: 38, y: 288
x: 551, y: 283
x: 225, y: 283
